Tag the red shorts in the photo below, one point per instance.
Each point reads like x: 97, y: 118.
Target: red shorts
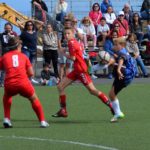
x: 83, y: 77
x: 25, y: 89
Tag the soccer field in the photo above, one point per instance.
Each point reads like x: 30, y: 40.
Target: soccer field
x: 86, y: 128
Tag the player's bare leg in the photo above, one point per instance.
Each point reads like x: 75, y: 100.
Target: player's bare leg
x: 37, y: 107
x: 7, y: 101
x: 62, y: 97
x: 115, y: 105
x: 100, y: 95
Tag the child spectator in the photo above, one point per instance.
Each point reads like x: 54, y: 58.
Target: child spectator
x: 89, y: 30
x: 95, y: 15
x: 48, y: 77
x: 104, y: 6
x: 61, y: 10
x: 103, y: 30
x: 110, y: 16
x: 133, y: 49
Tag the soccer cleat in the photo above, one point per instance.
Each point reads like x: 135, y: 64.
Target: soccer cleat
x: 44, y: 124
x: 94, y: 76
x: 7, y: 123
x: 116, y: 117
x: 61, y: 113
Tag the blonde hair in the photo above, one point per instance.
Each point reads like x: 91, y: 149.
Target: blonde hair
x: 120, y: 40
x: 86, y: 18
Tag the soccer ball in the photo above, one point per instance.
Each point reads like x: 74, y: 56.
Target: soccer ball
x: 104, y: 56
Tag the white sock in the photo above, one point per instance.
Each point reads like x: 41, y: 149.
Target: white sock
x: 116, y: 107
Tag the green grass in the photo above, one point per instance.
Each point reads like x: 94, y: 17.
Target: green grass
x: 88, y: 121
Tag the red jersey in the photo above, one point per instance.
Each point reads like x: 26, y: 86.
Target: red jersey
x: 15, y: 64
x: 76, y: 50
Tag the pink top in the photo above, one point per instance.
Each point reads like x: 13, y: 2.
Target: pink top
x: 95, y: 17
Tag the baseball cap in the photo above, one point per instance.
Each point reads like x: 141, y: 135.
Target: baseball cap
x: 121, y: 13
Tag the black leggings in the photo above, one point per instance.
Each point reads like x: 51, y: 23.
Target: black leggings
x: 52, y: 55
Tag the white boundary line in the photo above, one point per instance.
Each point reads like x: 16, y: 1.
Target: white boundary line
x: 59, y: 141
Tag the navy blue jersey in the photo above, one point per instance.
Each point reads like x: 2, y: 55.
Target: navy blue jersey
x: 129, y: 69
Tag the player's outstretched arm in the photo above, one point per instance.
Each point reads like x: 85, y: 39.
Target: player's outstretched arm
x: 120, y: 64
x: 30, y: 72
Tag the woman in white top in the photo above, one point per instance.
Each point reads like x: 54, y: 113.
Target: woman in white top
x: 110, y: 16
x: 61, y: 10
x: 89, y: 30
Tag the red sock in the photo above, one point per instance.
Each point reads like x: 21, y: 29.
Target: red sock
x: 62, y: 100
x: 105, y: 99
x: 37, y: 107
x: 7, y: 101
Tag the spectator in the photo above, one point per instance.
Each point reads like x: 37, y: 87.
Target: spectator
x: 5, y: 36
x: 89, y: 30
x: 136, y: 28
x: 147, y: 35
x: 40, y: 9
x: 128, y: 14
x: 116, y: 27
x: 145, y: 10
x: 47, y: 77
x: 65, y: 65
x: 110, y: 16
x: 108, y: 47
x: 104, y: 5
x: 133, y: 49
x: 50, y: 47
x: 95, y: 15
x: 61, y: 10
x: 123, y: 24
x: 29, y: 39
x: 8, y: 32
x: 103, y: 30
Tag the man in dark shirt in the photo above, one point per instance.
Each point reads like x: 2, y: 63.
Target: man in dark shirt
x: 8, y: 33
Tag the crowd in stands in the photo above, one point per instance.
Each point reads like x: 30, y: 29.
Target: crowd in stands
x: 100, y: 27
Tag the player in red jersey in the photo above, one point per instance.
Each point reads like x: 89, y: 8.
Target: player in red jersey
x: 80, y: 72
x: 17, y: 69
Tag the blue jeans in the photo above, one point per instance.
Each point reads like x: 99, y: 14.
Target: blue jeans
x: 140, y: 63
x: 60, y: 16
x: 140, y: 37
x: 30, y: 54
x: 145, y: 14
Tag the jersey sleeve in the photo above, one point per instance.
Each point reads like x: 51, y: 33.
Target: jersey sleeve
x: 71, y: 47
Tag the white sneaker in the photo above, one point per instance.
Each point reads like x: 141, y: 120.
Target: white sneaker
x: 116, y: 117
x: 7, y: 123
x: 95, y: 48
x: 34, y: 81
x: 44, y: 124
x: 94, y: 77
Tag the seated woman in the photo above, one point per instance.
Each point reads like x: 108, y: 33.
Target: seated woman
x: 110, y: 16
x: 95, y: 15
x: 103, y: 30
x: 136, y: 28
x: 133, y: 49
x: 89, y: 30
x: 145, y: 10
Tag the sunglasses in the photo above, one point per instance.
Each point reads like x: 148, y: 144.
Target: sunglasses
x: 121, y: 15
x: 29, y: 24
x: 116, y: 26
